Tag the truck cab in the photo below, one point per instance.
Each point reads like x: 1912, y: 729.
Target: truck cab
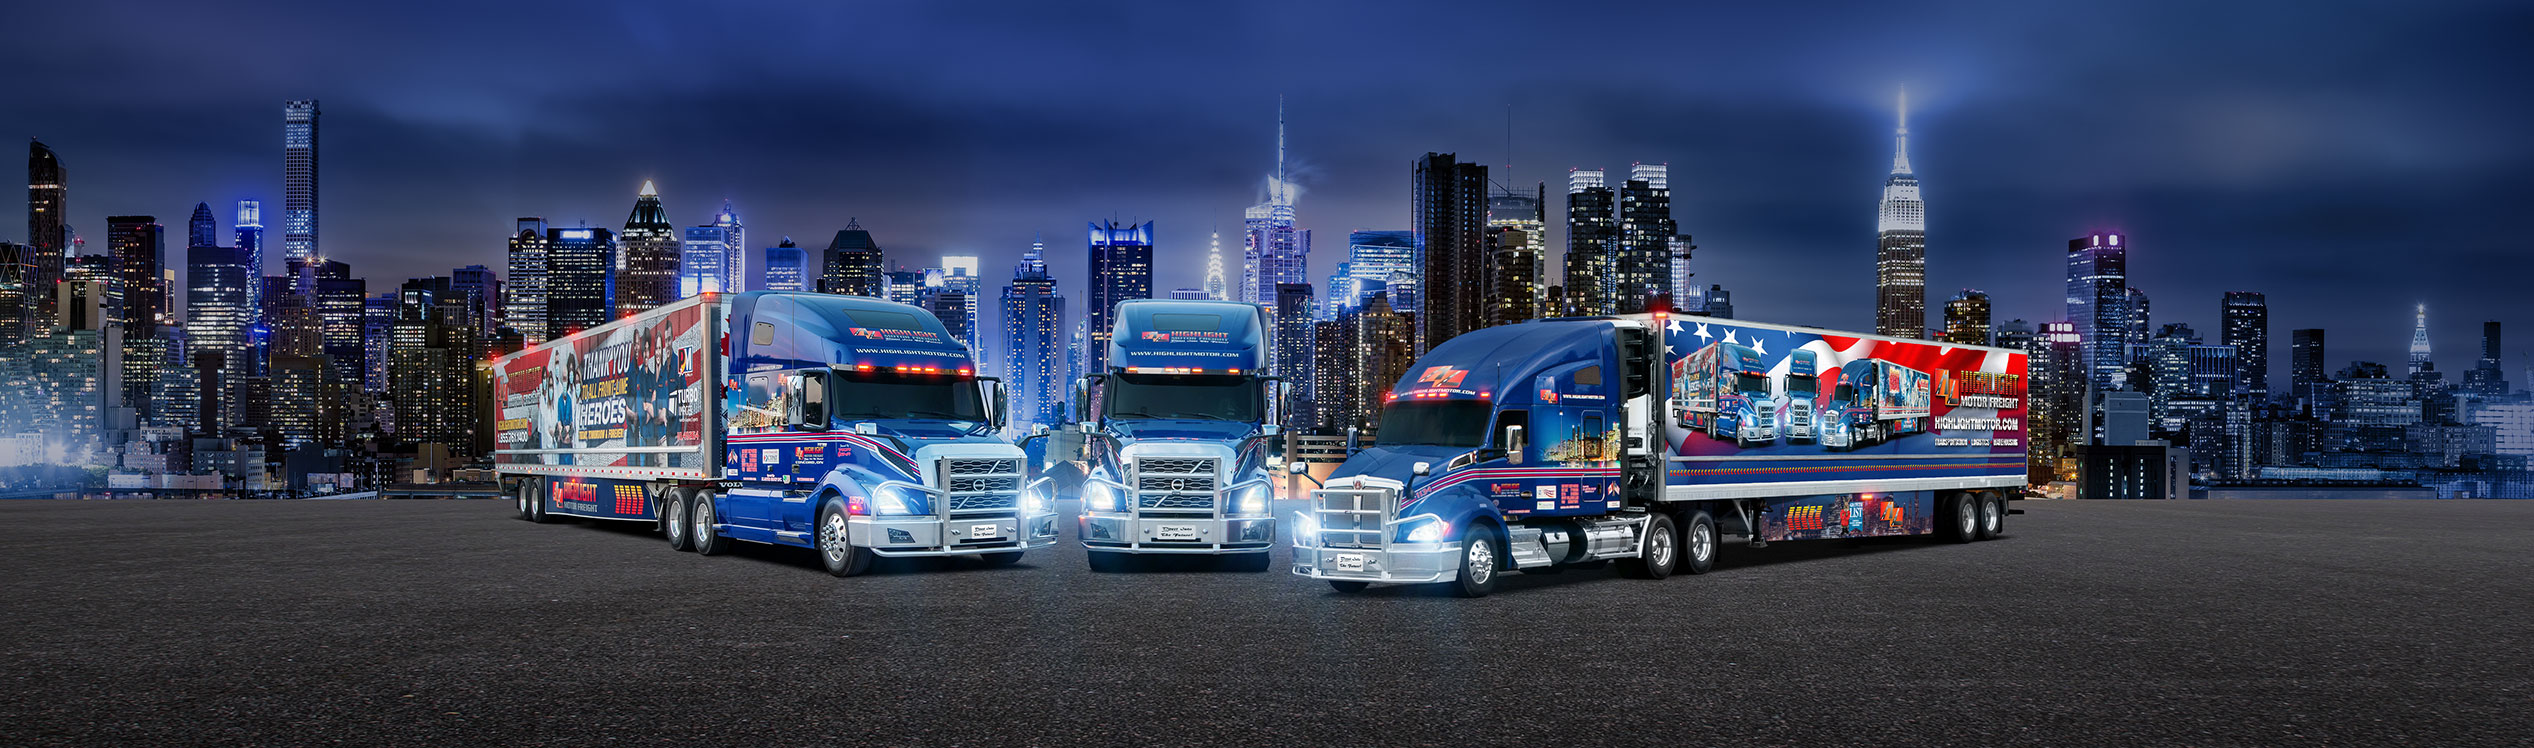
x: 1802, y: 388
x: 1723, y: 390
x: 1176, y: 436
x: 860, y: 428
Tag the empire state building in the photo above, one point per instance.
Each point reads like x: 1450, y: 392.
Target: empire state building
x: 1900, y: 254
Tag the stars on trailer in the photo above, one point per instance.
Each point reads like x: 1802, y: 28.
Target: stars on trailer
x: 1729, y: 338
x: 1675, y: 326
x: 1703, y: 334
x: 1759, y: 346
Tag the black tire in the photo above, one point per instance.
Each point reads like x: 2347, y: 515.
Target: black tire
x: 702, y: 513
x: 1006, y: 558
x: 1348, y: 586
x: 1111, y: 563
x: 834, y: 543
x: 1960, y: 520
x: 1479, y: 564
x: 1247, y: 562
x: 1658, y: 554
x: 519, y: 500
x: 1699, y: 543
x: 673, y: 523
x: 536, y: 492
x: 1992, y: 516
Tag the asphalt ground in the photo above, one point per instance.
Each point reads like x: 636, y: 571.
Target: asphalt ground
x: 449, y: 623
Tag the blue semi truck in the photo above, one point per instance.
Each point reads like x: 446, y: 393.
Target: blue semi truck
x: 1176, y: 436
x: 852, y: 426
x: 1552, y: 443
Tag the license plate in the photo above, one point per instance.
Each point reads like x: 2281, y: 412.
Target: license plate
x: 984, y: 532
x: 1350, y: 561
x: 1175, y: 532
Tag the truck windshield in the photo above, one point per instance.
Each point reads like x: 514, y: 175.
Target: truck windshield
x: 1444, y: 423
x: 1847, y: 393
x: 1201, y: 397
x: 878, y: 396
x: 1751, y: 383
x: 1801, y: 385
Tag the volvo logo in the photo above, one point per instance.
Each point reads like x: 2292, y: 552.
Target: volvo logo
x: 1178, y: 485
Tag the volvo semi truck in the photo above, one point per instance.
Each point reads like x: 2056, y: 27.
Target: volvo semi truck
x: 1551, y: 443
x: 1875, y: 401
x: 1176, y: 436
x: 852, y: 426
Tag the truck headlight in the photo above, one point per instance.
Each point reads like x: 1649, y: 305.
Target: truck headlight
x: 1251, y: 499
x: 1034, y: 499
x: 1099, y: 496
x: 1306, y: 531
x: 899, y: 500
x: 1428, y: 529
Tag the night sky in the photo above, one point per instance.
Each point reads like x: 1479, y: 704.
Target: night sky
x: 2347, y: 159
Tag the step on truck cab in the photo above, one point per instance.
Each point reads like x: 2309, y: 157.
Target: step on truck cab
x: 1176, y: 436
x: 852, y: 426
x: 1571, y: 441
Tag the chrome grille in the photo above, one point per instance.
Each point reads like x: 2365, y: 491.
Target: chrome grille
x: 960, y: 483
x: 978, y: 485
x: 1202, y: 502
x: 983, y: 501
x: 1350, y: 517
x: 1176, y: 465
x: 1174, y: 483
x: 980, y: 467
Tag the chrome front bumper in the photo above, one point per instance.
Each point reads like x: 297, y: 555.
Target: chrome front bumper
x: 1405, y: 563
x: 1127, y: 533
x: 927, y: 535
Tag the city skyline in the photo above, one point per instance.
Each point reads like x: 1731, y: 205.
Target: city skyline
x: 1759, y: 172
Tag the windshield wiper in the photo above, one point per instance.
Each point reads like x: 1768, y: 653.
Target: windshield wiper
x: 1134, y: 414
x: 938, y: 414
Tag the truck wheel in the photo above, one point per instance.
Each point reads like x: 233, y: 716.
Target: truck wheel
x: 536, y: 495
x: 1698, y: 543
x: 1001, y: 559
x: 1963, y: 512
x: 1992, y: 516
x: 702, y: 515
x: 1348, y: 586
x: 1657, y: 552
x: 1247, y: 562
x: 835, y: 543
x: 1111, y: 563
x: 519, y: 499
x: 1478, y: 564
x: 673, y: 520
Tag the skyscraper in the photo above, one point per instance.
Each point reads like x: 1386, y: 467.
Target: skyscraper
x: 139, y: 248
x: 250, y: 243
x: 1447, y: 203
x: 1275, y: 253
x: 580, y: 280
x: 299, y: 179
x: 524, y: 308
x: 1966, y: 318
x: 2487, y: 378
x: 786, y: 267
x: 2140, y: 320
x: 18, y: 306
x: 714, y: 258
x: 219, y: 304
x: 1517, y: 237
x: 1592, y: 239
x: 1215, y: 288
x: 853, y: 263
x: 2246, y: 326
x: 2420, y: 362
x: 1121, y: 270
x: 1900, y: 258
x: 1034, y: 340
x: 958, y: 275
x: 1291, y: 362
x: 202, y: 230
x: 336, y: 297
x: 2098, y: 306
x: 483, y: 292
x: 46, y: 196
x: 647, y: 256
x: 1684, y: 283
x: 2306, y: 368
x: 1641, y: 270
x: 1376, y: 261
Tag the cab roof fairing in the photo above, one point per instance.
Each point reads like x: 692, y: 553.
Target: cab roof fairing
x: 816, y: 329
x: 1501, y: 362
x: 1174, y: 334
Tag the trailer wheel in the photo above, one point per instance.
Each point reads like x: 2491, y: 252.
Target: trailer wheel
x: 1963, y: 518
x: 1348, y: 586
x: 1248, y: 562
x: 1698, y: 543
x: 673, y: 519
x: 537, y: 503
x: 1657, y: 553
x: 1479, y: 567
x: 702, y: 515
x: 1992, y: 516
x: 835, y: 543
x: 519, y: 500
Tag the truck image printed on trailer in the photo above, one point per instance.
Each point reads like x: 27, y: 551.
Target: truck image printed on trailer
x: 1725, y: 394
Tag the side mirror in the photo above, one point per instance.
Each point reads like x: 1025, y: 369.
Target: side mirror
x: 1270, y: 430
x: 1352, y: 433
x: 1513, y: 445
x: 1297, y: 468
x: 1422, y: 468
x: 1038, y: 429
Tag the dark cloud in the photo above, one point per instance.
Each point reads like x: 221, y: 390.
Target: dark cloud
x: 2349, y: 159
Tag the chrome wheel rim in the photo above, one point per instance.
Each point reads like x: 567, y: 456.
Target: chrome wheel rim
x: 1482, y: 561
x: 1966, y: 518
x: 1702, y: 541
x: 703, y: 519
x: 1658, y: 550
x: 1989, y: 515
x: 677, y: 521
x: 831, y: 539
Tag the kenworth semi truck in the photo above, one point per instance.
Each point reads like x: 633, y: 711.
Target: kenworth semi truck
x: 1176, y: 436
x: 1561, y: 442
x: 852, y: 426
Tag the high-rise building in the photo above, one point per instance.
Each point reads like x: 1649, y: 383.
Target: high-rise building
x: 1121, y: 270
x: 1215, y: 288
x: 646, y: 256
x: 786, y: 267
x: 337, y: 298
x: 378, y: 323
x: 138, y: 246
x: 1684, y: 282
x: 2140, y: 321
x: 580, y: 279
x: 1376, y: 262
x: 524, y: 309
x: 1641, y: 270
x: 2246, y: 326
x: 46, y: 202
x: 250, y: 242
x: 433, y: 351
x: 220, y: 304
x: 715, y: 257
x: 2486, y: 378
x: 1189, y: 294
x: 902, y: 286
x: 1900, y: 255
x: 952, y: 290
x: 1359, y: 355
x: 1517, y: 238
x: 1718, y: 303
x: 1448, y: 209
x: 202, y: 230
x: 20, y: 311
x: 2420, y: 362
x: 2055, y: 390
x: 2306, y: 367
x: 78, y: 370
x: 299, y: 180
x: 1275, y: 252
x: 1592, y: 241
x: 1966, y: 318
x: 1034, y: 341
x: 483, y: 292
x: 2098, y: 306
x: 853, y: 263
x: 1291, y: 361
